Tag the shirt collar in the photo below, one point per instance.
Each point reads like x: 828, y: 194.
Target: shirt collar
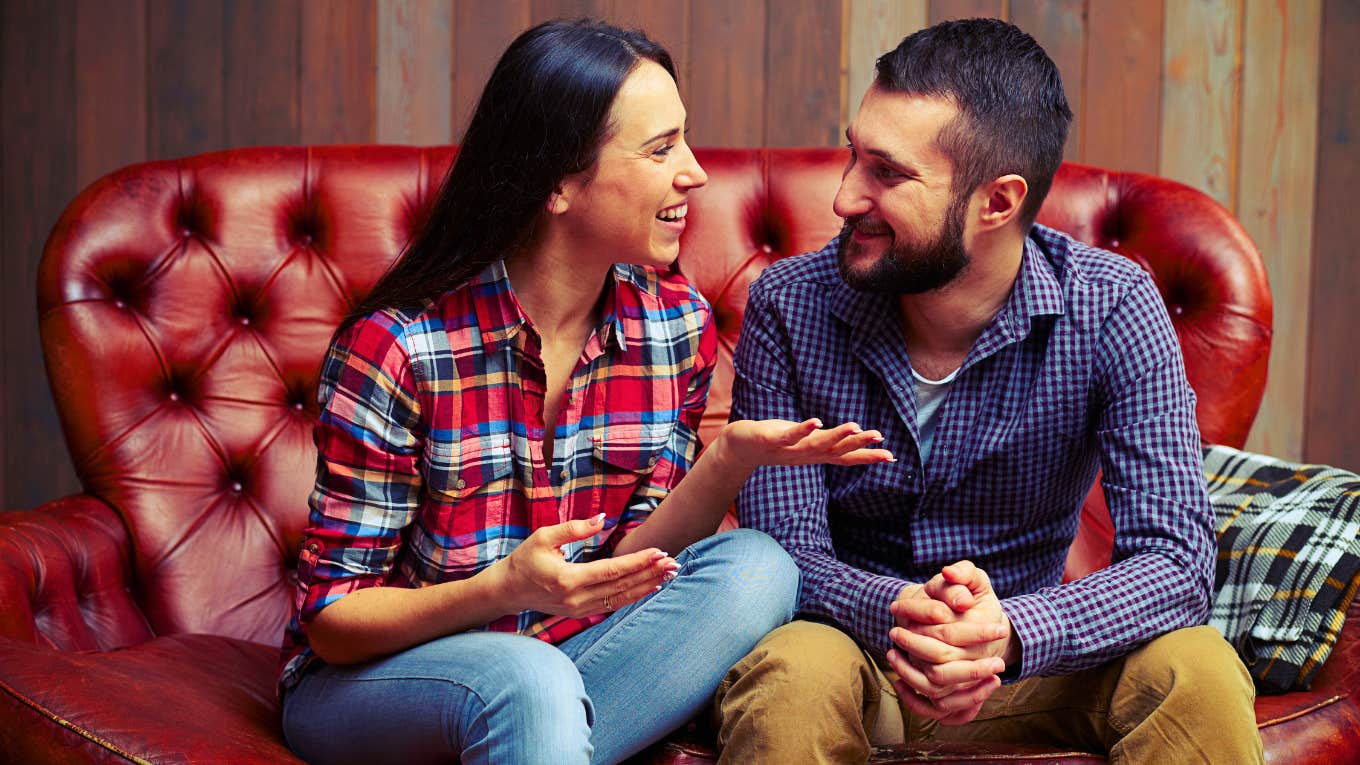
x: 1037, y: 292
x: 500, y: 316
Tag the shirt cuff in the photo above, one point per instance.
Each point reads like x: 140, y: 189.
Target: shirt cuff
x: 872, y: 619
x: 1039, y: 626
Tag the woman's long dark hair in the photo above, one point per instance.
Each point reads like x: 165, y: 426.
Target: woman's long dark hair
x: 542, y: 117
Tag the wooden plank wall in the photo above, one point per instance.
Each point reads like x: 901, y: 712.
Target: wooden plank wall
x: 1253, y: 101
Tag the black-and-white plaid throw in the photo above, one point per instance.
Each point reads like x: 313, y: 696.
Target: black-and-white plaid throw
x: 1288, y: 559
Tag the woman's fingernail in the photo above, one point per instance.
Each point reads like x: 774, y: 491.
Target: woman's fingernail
x: 597, y: 518
x: 669, y: 575
x: 816, y: 423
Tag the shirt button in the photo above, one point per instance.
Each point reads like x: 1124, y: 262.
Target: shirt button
x: 459, y: 484
x: 563, y: 475
x: 652, y: 462
x: 313, y: 547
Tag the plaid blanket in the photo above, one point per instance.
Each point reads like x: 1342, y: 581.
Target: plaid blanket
x: 1288, y: 559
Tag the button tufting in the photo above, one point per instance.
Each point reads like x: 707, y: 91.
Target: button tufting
x: 244, y: 321
x: 174, y: 396
x: 236, y: 487
x: 297, y: 405
x: 119, y: 303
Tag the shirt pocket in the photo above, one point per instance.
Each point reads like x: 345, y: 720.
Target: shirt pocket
x: 633, y: 447
x: 477, y: 466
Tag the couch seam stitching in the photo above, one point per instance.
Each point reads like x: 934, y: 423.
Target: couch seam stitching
x: 67, y: 724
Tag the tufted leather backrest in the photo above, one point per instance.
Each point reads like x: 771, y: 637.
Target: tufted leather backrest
x: 186, y: 305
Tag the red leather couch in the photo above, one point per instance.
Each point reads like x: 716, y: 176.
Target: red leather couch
x: 185, y: 307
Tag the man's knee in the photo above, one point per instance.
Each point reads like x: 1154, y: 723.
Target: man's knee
x: 805, y: 688
x: 802, y: 665
x: 1194, y: 660
x: 1178, y: 693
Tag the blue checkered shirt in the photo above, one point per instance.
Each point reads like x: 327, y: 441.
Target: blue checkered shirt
x: 1079, y: 372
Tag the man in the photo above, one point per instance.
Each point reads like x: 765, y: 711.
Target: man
x: 1004, y: 364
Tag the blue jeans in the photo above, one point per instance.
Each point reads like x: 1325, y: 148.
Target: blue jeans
x: 600, y: 696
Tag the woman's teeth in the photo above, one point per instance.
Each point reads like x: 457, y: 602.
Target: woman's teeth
x: 673, y: 213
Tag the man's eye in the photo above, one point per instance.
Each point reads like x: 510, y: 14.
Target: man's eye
x: 887, y: 173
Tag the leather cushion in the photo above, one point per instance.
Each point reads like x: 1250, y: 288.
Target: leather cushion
x: 172, y: 699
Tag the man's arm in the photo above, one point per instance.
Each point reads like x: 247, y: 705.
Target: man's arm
x: 1162, y: 568
x: 790, y: 503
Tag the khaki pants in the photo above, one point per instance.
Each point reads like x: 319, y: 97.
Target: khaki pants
x: 808, y: 694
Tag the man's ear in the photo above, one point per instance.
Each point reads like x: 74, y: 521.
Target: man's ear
x: 1004, y: 197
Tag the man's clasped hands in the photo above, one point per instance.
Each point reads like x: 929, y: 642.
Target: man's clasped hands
x: 952, y: 642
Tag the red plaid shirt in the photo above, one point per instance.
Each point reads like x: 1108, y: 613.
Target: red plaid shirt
x: 430, y: 464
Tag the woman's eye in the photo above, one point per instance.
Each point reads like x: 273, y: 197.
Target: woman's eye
x: 663, y: 151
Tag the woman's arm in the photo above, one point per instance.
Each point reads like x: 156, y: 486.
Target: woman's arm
x: 368, y: 491
x: 377, y: 621
x: 695, y: 507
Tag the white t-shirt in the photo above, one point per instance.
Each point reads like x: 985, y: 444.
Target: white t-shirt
x: 930, y: 394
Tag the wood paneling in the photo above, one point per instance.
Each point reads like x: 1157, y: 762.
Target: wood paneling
x: 1275, y: 196
x: 481, y: 33
x: 262, y: 59
x: 1222, y: 94
x: 184, y: 83
x: 666, y: 22
x: 727, y: 73
x: 546, y: 10
x: 1060, y: 27
x: 1333, y: 420
x: 1201, y: 95
x: 338, y: 52
x: 876, y: 27
x: 415, y: 67
x: 944, y: 10
x: 38, y: 130
x: 803, y: 85
x: 110, y: 72
x: 1123, y: 95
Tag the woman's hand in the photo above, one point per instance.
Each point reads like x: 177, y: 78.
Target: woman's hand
x: 537, y: 577
x: 751, y: 443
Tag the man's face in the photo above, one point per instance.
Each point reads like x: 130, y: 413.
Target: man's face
x: 904, y: 222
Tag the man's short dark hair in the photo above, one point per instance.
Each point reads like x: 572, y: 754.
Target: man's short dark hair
x: 1013, y: 114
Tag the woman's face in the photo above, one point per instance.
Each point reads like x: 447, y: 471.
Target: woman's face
x: 630, y: 208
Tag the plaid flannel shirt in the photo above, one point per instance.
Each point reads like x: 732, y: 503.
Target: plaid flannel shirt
x: 1079, y: 371
x: 430, y: 461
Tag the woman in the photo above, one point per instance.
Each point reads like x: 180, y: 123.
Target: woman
x: 502, y: 463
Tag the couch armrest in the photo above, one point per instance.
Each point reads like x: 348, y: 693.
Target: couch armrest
x: 66, y: 577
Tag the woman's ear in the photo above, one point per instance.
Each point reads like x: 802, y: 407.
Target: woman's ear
x: 557, y: 202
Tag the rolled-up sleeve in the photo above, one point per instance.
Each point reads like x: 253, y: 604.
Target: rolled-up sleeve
x: 368, y: 482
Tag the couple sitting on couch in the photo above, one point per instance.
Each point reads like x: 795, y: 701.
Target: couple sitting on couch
x: 508, y: 448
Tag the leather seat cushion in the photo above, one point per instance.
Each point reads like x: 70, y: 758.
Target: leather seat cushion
x: 170, y: 699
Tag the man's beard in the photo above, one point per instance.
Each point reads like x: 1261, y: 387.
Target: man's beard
x: 908, y: 268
